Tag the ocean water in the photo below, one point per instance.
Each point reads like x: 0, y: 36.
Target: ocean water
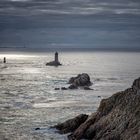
x: 28, y: 99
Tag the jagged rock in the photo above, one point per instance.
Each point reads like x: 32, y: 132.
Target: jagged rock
x: 80, y: 80
x: 72, y: 87
x: 136, y: 84
x: 117, y: 118
x: 72, y: 124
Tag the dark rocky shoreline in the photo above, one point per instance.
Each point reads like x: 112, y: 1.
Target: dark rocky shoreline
x: 117, y: 118
x: 81, y: 80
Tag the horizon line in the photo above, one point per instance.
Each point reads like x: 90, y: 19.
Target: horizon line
x: 117, y: 49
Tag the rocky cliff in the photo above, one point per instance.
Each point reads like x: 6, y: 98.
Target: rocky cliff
x: 117, y: 118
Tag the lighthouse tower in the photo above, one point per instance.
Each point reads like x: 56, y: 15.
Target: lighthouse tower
x: 55, y: 62
x: 56, y: 57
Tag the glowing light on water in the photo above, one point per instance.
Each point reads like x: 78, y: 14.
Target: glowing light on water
x: 15, y: 55
x: 54, y: 104
x: 59, y: 104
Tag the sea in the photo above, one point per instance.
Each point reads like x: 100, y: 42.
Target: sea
x: 29, y: 103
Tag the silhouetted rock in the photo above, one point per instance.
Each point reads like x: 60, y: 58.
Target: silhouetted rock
x: 63, y: 88
x: 37, y: 128
x: 72, y: 87
x: 136, y: 84
x: 57, y: 89
x: 117, y: 118
x: 80, y: 80
x: 53, y: 63
x: 71, y: 124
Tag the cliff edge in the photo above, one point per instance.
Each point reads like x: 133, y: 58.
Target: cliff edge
x: 117, y: 118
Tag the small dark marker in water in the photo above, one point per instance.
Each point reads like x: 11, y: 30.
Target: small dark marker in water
x: 57, y: 89
x: 4, y: 60
x: 63, y: 88
x: 37, y: 128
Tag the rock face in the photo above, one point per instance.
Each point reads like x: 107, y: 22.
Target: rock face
x: 117, y: 118
x: 71, y: 124
x: 80, y: 80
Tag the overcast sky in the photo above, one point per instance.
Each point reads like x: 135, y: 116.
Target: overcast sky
x: 70, y: 23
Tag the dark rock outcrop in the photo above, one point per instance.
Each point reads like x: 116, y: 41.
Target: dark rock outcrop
x: 72, y: 87
x: 71, y: 124
x: 82, y: 80
x: 117, y: 118
x: 63, y: 88
x: 53, y: 63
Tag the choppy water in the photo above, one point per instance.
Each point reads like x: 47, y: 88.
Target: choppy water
x: 28, y: 99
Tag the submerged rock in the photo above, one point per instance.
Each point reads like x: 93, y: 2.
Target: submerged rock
x: 117, y: 118
x: 63, y: 88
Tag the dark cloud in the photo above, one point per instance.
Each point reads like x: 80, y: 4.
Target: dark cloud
x: 70, y: 22
x: 68, y: 6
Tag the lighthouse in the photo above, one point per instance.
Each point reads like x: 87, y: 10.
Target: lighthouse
x: 56, y: 57
x: 55, y: 62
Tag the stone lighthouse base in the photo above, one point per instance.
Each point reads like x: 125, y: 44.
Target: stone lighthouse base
x: 53, y: 63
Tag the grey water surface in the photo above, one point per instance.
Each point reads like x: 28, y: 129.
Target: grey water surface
x: 28, y: 99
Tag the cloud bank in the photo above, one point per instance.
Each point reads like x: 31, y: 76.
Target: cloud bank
x: 70, y: 23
